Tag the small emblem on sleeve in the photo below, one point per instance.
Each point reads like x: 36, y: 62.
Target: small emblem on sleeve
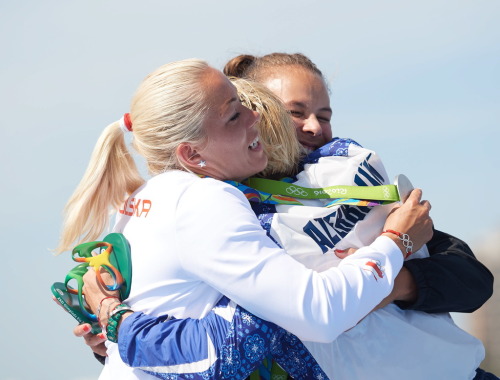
x: 375, y: 268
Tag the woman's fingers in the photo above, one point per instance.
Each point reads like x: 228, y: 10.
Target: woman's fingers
x: 415, y: 196
x: 343, y: 253
x: 412, y: 218
x: 426, y: 203
x: 94, y: 341
x: 100, y: 349
x: 82, y: 330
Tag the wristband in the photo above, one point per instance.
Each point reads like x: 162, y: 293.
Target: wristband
x: 113, y: 321
x: 405, y: 238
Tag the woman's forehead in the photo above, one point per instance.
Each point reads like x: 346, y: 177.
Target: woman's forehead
x: 221, y: 94
x: 297, y: 85
x: 219, y: 89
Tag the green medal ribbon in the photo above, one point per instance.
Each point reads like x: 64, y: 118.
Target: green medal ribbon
x: 385, y: 193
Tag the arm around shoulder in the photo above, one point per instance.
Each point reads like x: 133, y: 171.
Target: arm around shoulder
x: 232, y: 254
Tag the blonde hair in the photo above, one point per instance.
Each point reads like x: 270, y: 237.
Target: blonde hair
x: 167, y: 109
x: 276, y: 128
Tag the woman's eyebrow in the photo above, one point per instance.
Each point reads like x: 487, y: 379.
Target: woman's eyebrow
x: 296, y: 104
x: 303, y: 105
x: 226, y: 105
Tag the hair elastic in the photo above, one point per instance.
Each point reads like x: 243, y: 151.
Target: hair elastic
x: 126, y: 123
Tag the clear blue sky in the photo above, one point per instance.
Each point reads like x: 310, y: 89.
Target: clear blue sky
x: 416, y: 81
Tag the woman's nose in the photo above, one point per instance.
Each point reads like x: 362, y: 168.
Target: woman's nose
x: 255, y: 118
x: 312, y: 126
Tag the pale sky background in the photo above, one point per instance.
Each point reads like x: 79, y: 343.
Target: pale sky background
x: 416, y: 81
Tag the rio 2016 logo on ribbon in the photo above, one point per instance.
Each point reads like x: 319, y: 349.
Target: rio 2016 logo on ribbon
x: 292, y: 190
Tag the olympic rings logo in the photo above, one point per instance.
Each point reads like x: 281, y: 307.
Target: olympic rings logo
x: 292, y: 190
x: 386, y: 193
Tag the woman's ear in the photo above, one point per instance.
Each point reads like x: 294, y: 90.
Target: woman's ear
x: 188, y: 156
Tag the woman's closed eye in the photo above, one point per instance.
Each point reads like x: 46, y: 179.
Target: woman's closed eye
x: 235, y: 116
x: 295, y: 113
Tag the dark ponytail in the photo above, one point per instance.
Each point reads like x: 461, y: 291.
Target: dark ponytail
x: 238, y: 66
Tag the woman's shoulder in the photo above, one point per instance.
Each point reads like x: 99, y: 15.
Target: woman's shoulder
x: 187, y: 192
x: 186, y: 181
x: 170, y: 181
x: 210, y: 190
x: 176, y: 183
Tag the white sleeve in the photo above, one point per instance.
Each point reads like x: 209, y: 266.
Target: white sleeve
x: 220, y: 241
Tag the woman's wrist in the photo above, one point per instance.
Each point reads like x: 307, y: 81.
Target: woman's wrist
x: 402, y: 240
x: 105, y: 306
x: 396, y: 240
x: 117, y: 315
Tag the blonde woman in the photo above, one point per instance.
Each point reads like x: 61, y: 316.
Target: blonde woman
x: 200, y: 239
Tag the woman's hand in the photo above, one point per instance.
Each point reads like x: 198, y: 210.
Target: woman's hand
x: 95, y: 342
x: 100, y: 300
x: 94, y: 291
x: 412, y: 218
x: 98, y: 297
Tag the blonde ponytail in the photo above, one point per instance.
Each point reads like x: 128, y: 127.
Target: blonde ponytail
x: 167, y: 109
x: 110, y: 176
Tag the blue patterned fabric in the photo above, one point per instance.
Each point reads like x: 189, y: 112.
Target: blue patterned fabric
x: 240, y: 342
x: 336, y: 147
